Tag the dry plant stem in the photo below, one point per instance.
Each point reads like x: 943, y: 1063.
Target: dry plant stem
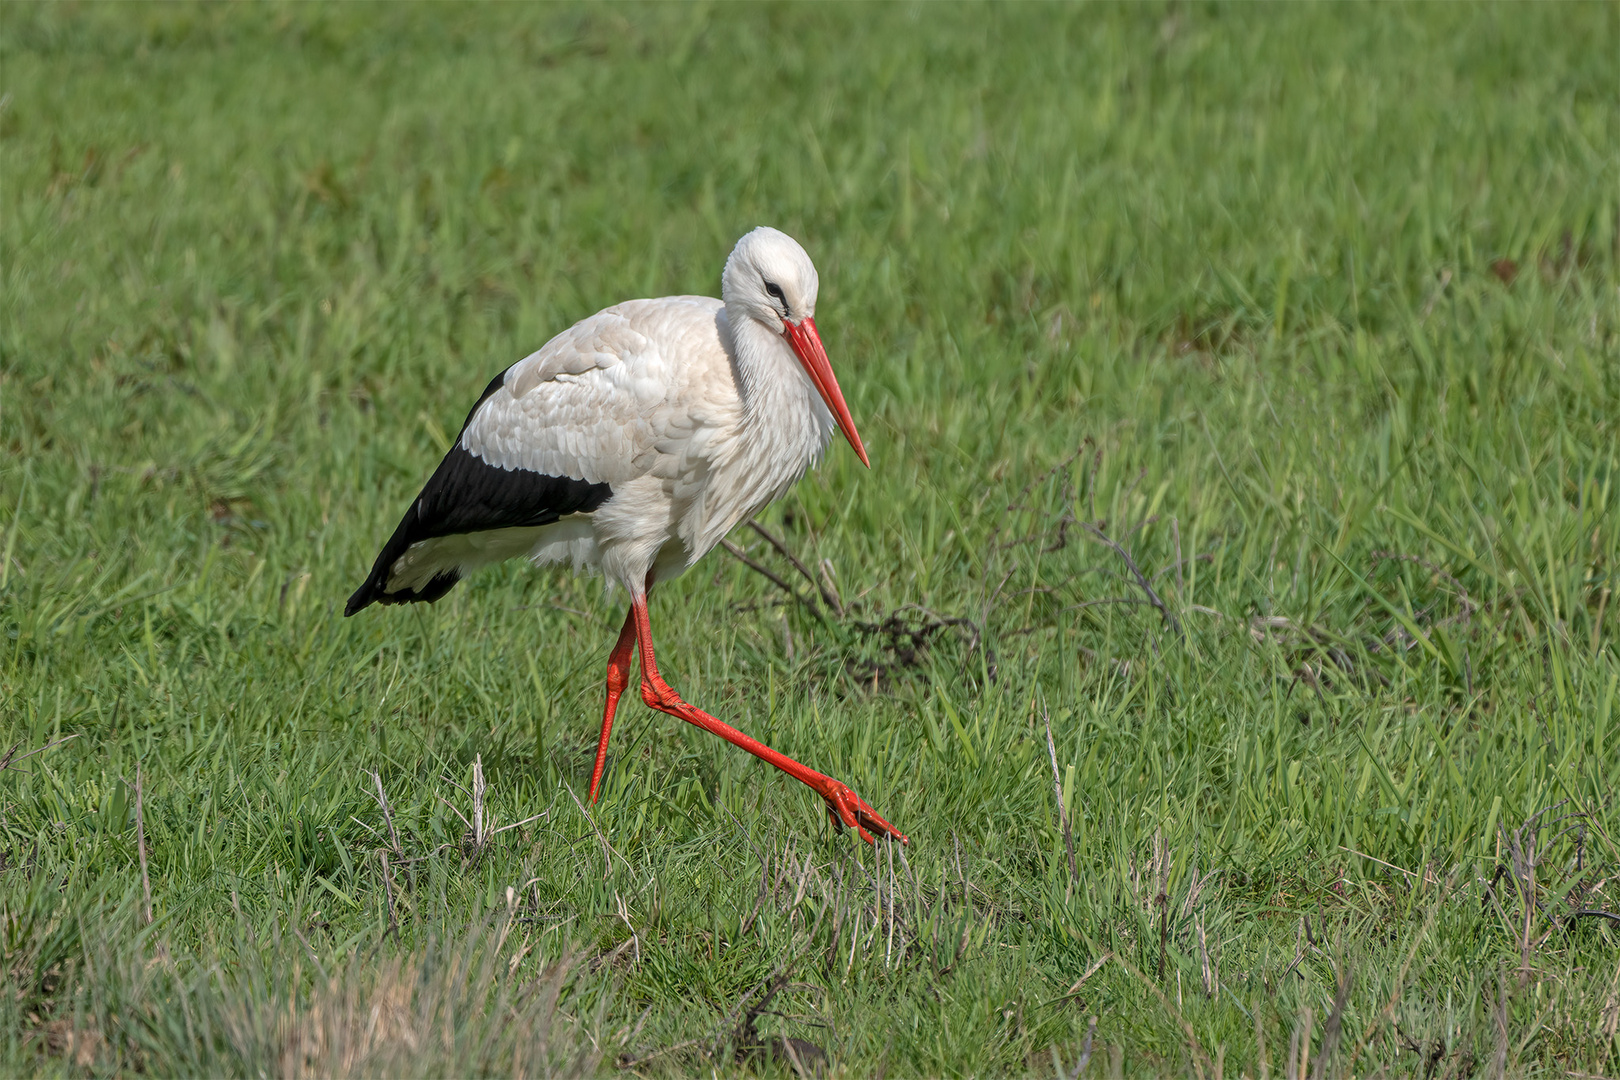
x: 1057, y: 791
x: 1330, y: 1030
x: 933, y: 925
x: 829, y: 581
x: 1208, y: 971
x: 316, y: 960
x: 729, y: 1027
x: 388, y: 888
x: 1199, y: 1059
x: 478, y: 802
x: 1085, y: 1055
x: 1085, y: 1048
x: 742, y: 557
x: 1074, y: 990
x: 1302, y: 1033
x: 1141, y: 580
x: 7, y: 761
x: 607, y: 848
x: 838, y: 915
x: 1380, y: 862
x: 1164, y: 928
x: 826, y: 595
x: 388, y: 816
x: 140, y: 842
x: 888, y: 953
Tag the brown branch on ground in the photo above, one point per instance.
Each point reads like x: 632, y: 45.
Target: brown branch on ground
x: 763, y: 571
x: 9, y: 759
x: 1331, y: 1030
x: 906, y: 632
x: 909, y: 638
x: 1142, y: 582
x: 828, y: 597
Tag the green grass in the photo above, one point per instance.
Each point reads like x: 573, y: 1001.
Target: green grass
x: 1312, y: 309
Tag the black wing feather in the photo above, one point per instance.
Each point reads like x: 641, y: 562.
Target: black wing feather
x: 466, y: 495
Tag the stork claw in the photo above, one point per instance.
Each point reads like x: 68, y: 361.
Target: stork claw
x: 844, y: 807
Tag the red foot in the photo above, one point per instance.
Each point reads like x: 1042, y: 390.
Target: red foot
x: 845, y: 807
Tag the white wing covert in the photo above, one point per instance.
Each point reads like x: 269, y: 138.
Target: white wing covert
x: 586, y: 405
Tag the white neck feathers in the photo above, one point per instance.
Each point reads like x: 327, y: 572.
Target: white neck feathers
x: 785, y: 428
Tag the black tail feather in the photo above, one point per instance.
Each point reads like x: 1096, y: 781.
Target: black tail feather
x: 375, y: 588
x: 468, y: 495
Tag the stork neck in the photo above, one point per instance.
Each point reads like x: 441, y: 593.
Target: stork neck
x: 778, y: 398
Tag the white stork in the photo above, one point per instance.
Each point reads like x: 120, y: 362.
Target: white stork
x: 630, y: 444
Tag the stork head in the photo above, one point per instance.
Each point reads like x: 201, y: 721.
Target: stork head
x: 770, y: 280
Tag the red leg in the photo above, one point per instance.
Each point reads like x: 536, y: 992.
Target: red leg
x: 618, y: 677
x: 843, y: 804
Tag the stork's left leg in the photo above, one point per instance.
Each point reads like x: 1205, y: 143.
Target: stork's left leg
x: 842, y: 803
x: 618, y: 677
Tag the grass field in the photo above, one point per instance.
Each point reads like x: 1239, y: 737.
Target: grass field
x: 1309, y: 316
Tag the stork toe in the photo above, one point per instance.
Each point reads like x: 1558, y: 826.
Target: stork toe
x: 847, y: 808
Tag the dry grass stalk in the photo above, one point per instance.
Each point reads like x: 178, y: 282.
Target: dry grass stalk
x: 1200, y: 1059
x: 828, y: 597
x: 414, y: 1015
x: 1085, y: 1055
x: 1057, y: 791
x: 607, y: 848
x: 1388, y: 1011
x: 1211, y: 982
x: 1142, y: 582
x: 9, y: 759
x: 1331, y: 1029
x: 388, y: 888
x: 388, y: 815
x: 1299, y: 1044
x: 140, y: 843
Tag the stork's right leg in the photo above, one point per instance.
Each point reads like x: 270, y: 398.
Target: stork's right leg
x: 618, y: 677
x: 843, y: 805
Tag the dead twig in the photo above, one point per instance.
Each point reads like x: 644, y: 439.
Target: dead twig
x: 478, y: 802
x: 140, y: 844
x: 388, y: 816
x: 1142, y: 582
x: 1085, y: 1056
x: 768, y: 575
x: 1207, y: 968
x: 827, y: 596
x: 1330, y: 1031
x: 1163, y: 900
x: 388, y: 888
x: 1380, y: 862
x: 1074, y: 990
x: 8, y: 761
x: 607, y: 848
x: 1057, y: 791
x: 1110, y: 600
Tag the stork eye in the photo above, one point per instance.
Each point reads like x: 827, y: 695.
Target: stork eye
x: 774, y: 289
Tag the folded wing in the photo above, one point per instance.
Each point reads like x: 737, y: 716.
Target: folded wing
x: 549, y: 437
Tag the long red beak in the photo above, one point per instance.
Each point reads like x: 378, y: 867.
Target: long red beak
x: 807, y: 344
